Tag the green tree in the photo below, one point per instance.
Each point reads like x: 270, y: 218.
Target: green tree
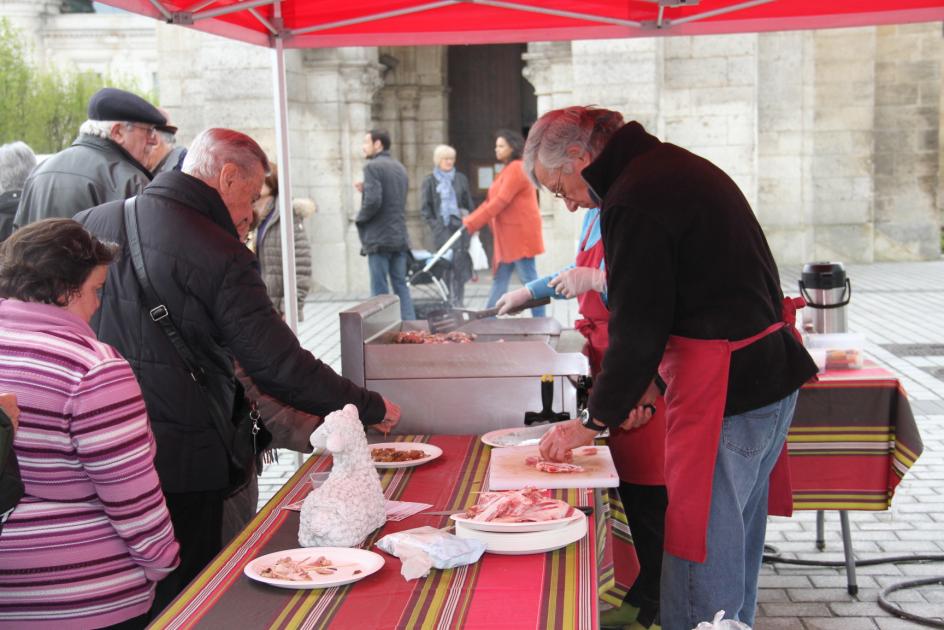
x: 43, y: 106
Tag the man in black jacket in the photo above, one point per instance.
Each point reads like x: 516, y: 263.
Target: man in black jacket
x: 694, y: 293
x: 106, y: 162
x: 381, y: 222
x: 190, y: 224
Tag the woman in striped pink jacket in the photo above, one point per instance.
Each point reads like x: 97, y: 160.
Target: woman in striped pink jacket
x: 92, y: 535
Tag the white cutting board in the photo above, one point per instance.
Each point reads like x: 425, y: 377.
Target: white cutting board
x: 508, y: 470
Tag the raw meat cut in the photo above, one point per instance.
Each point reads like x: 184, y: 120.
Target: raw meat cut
x: 518, y: 506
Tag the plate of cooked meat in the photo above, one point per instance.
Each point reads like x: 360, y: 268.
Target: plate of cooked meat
x: 313, y: 567
x: 403, y: 454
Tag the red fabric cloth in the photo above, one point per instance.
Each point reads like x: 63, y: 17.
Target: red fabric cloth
x: 511, y: 209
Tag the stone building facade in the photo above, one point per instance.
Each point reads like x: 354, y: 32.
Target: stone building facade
x: 834, y: 136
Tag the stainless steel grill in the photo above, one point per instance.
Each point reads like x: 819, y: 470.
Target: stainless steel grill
x: 460, y: 388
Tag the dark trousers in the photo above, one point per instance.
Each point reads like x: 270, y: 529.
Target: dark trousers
x: 197, y: 519
x: 645, y: 511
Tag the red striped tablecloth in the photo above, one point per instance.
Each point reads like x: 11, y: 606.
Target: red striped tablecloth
x: 550, y: 590
x: 852, y: 439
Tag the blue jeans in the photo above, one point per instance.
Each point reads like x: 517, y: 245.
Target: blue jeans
x: 526, y: 270
x: 393, y: 264
x: 747, y: 451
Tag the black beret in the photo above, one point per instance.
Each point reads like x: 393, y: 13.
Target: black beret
x: 114, y: 104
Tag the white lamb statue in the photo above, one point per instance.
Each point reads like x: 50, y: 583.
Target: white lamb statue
x: 350, y: 503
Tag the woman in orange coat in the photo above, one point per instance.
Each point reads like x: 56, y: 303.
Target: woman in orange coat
x: 511, y: 210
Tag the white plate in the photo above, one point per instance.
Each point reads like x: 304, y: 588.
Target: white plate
x: 432, y: 452
x: 530, y: 526
x: 519, y: 544
x: 347, y: 560
x: 518, y: 436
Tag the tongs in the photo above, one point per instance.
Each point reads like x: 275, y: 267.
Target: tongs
x: 447, y: 319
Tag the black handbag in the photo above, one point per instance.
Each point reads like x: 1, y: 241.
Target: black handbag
x: 11, y: 485
x: 245, y: 436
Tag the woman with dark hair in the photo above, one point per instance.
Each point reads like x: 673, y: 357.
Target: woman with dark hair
x: 511, y: 210
x: 91, y: 536
x: 267, y: 243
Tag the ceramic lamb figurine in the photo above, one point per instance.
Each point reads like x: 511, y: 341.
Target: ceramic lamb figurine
x: 350, y: 503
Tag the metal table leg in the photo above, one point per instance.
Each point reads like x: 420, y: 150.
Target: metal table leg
x: 851, y: 585
x: 820, y: 536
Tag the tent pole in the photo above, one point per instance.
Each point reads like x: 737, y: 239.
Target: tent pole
x: 286, y: 218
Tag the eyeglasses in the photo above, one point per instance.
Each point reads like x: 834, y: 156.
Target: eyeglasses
x: 149, y: 130
x: 558, y: 193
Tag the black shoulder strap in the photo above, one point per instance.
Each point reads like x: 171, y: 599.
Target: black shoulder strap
x: 156, y: 308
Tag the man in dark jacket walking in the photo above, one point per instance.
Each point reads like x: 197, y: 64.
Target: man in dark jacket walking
x: 381, y: 223
x: 106, y: 162
x: 191, y: 223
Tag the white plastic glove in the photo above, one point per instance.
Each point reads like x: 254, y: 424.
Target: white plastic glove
x: 512, y: 300
x: 579, y: 280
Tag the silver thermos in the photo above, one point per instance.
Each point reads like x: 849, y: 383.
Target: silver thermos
x: 827, y: 290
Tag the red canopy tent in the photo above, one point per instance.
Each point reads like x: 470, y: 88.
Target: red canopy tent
x: 320, y: 23
x: 280, y: 24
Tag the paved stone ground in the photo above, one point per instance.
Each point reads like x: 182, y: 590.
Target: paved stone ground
x: 899, y: 307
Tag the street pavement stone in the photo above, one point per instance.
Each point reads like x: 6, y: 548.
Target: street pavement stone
x: 899, y: 308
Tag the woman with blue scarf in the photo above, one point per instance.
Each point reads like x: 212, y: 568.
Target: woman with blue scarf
x: 445, y: 199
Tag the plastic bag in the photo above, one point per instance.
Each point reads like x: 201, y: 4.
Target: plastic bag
x: 477, y: 252
x: 421, y: 548
x: 719, y: 623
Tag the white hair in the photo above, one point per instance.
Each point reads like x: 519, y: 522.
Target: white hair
x: 442, y: 152
x: 167, y: 137
x: 556, y: 132
x: 215, y: 147
x: 101, y: 128
x: 17, y: 160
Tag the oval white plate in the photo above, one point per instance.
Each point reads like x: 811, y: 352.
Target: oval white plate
x: 432, y: 452
x: 530, y: 526
x: 347, y: 560
x: 524, y: 543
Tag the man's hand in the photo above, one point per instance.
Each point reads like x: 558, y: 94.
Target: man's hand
x: 579, y: 280
x: 644, y: 409
x: 558, y: 443
x: 513, y: 299
x: 359, y: 186
x: 391, y: 417
x: 9, y: 406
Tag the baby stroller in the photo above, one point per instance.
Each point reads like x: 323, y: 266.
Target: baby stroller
x: 440, y: 277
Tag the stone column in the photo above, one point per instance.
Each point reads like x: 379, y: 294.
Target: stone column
x: 30, y: 18
x: 550, y: 68
x: 907, y: 150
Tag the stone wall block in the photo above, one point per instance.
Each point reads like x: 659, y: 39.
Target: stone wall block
x: 848, y: 243
x: 897, y: 94
x: 832, y: 71
x: 780, y: 119
x: 696, y: 130
x: 726, y: 101
x: 711, y: 72
x: 897, y: 241
x: 844, y: 118
x: 741, y: 45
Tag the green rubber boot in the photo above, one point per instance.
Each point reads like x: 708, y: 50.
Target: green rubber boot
x: 617, y: 618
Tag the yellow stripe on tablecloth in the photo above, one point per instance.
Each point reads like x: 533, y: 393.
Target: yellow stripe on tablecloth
x: 830, y: 505
x: 571, y: 581
x: 885, y: 436
x: 292, y: 603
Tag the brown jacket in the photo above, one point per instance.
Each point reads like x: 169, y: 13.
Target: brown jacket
x: 511, y: 209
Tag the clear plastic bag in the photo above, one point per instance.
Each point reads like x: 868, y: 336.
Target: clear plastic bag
x: 719, y: 623
x: 423, y: 548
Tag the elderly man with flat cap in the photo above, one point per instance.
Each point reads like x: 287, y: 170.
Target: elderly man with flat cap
x: 166, y: 155
x: 105, y: 163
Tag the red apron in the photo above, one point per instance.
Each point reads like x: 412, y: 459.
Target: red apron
x: 639, y: 454
x: 696, y: 372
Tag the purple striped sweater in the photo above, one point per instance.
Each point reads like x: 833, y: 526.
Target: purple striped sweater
x: 86, y: 545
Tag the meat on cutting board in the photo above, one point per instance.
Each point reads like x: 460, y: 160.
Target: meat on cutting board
x: 552, y: 467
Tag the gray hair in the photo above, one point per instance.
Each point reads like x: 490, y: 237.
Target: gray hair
x: 17, y: 160
x: 215, y: 147
x: 167, y: 137
x: 101, y: 128
x: 582, y: 126
x: 442, y: 152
